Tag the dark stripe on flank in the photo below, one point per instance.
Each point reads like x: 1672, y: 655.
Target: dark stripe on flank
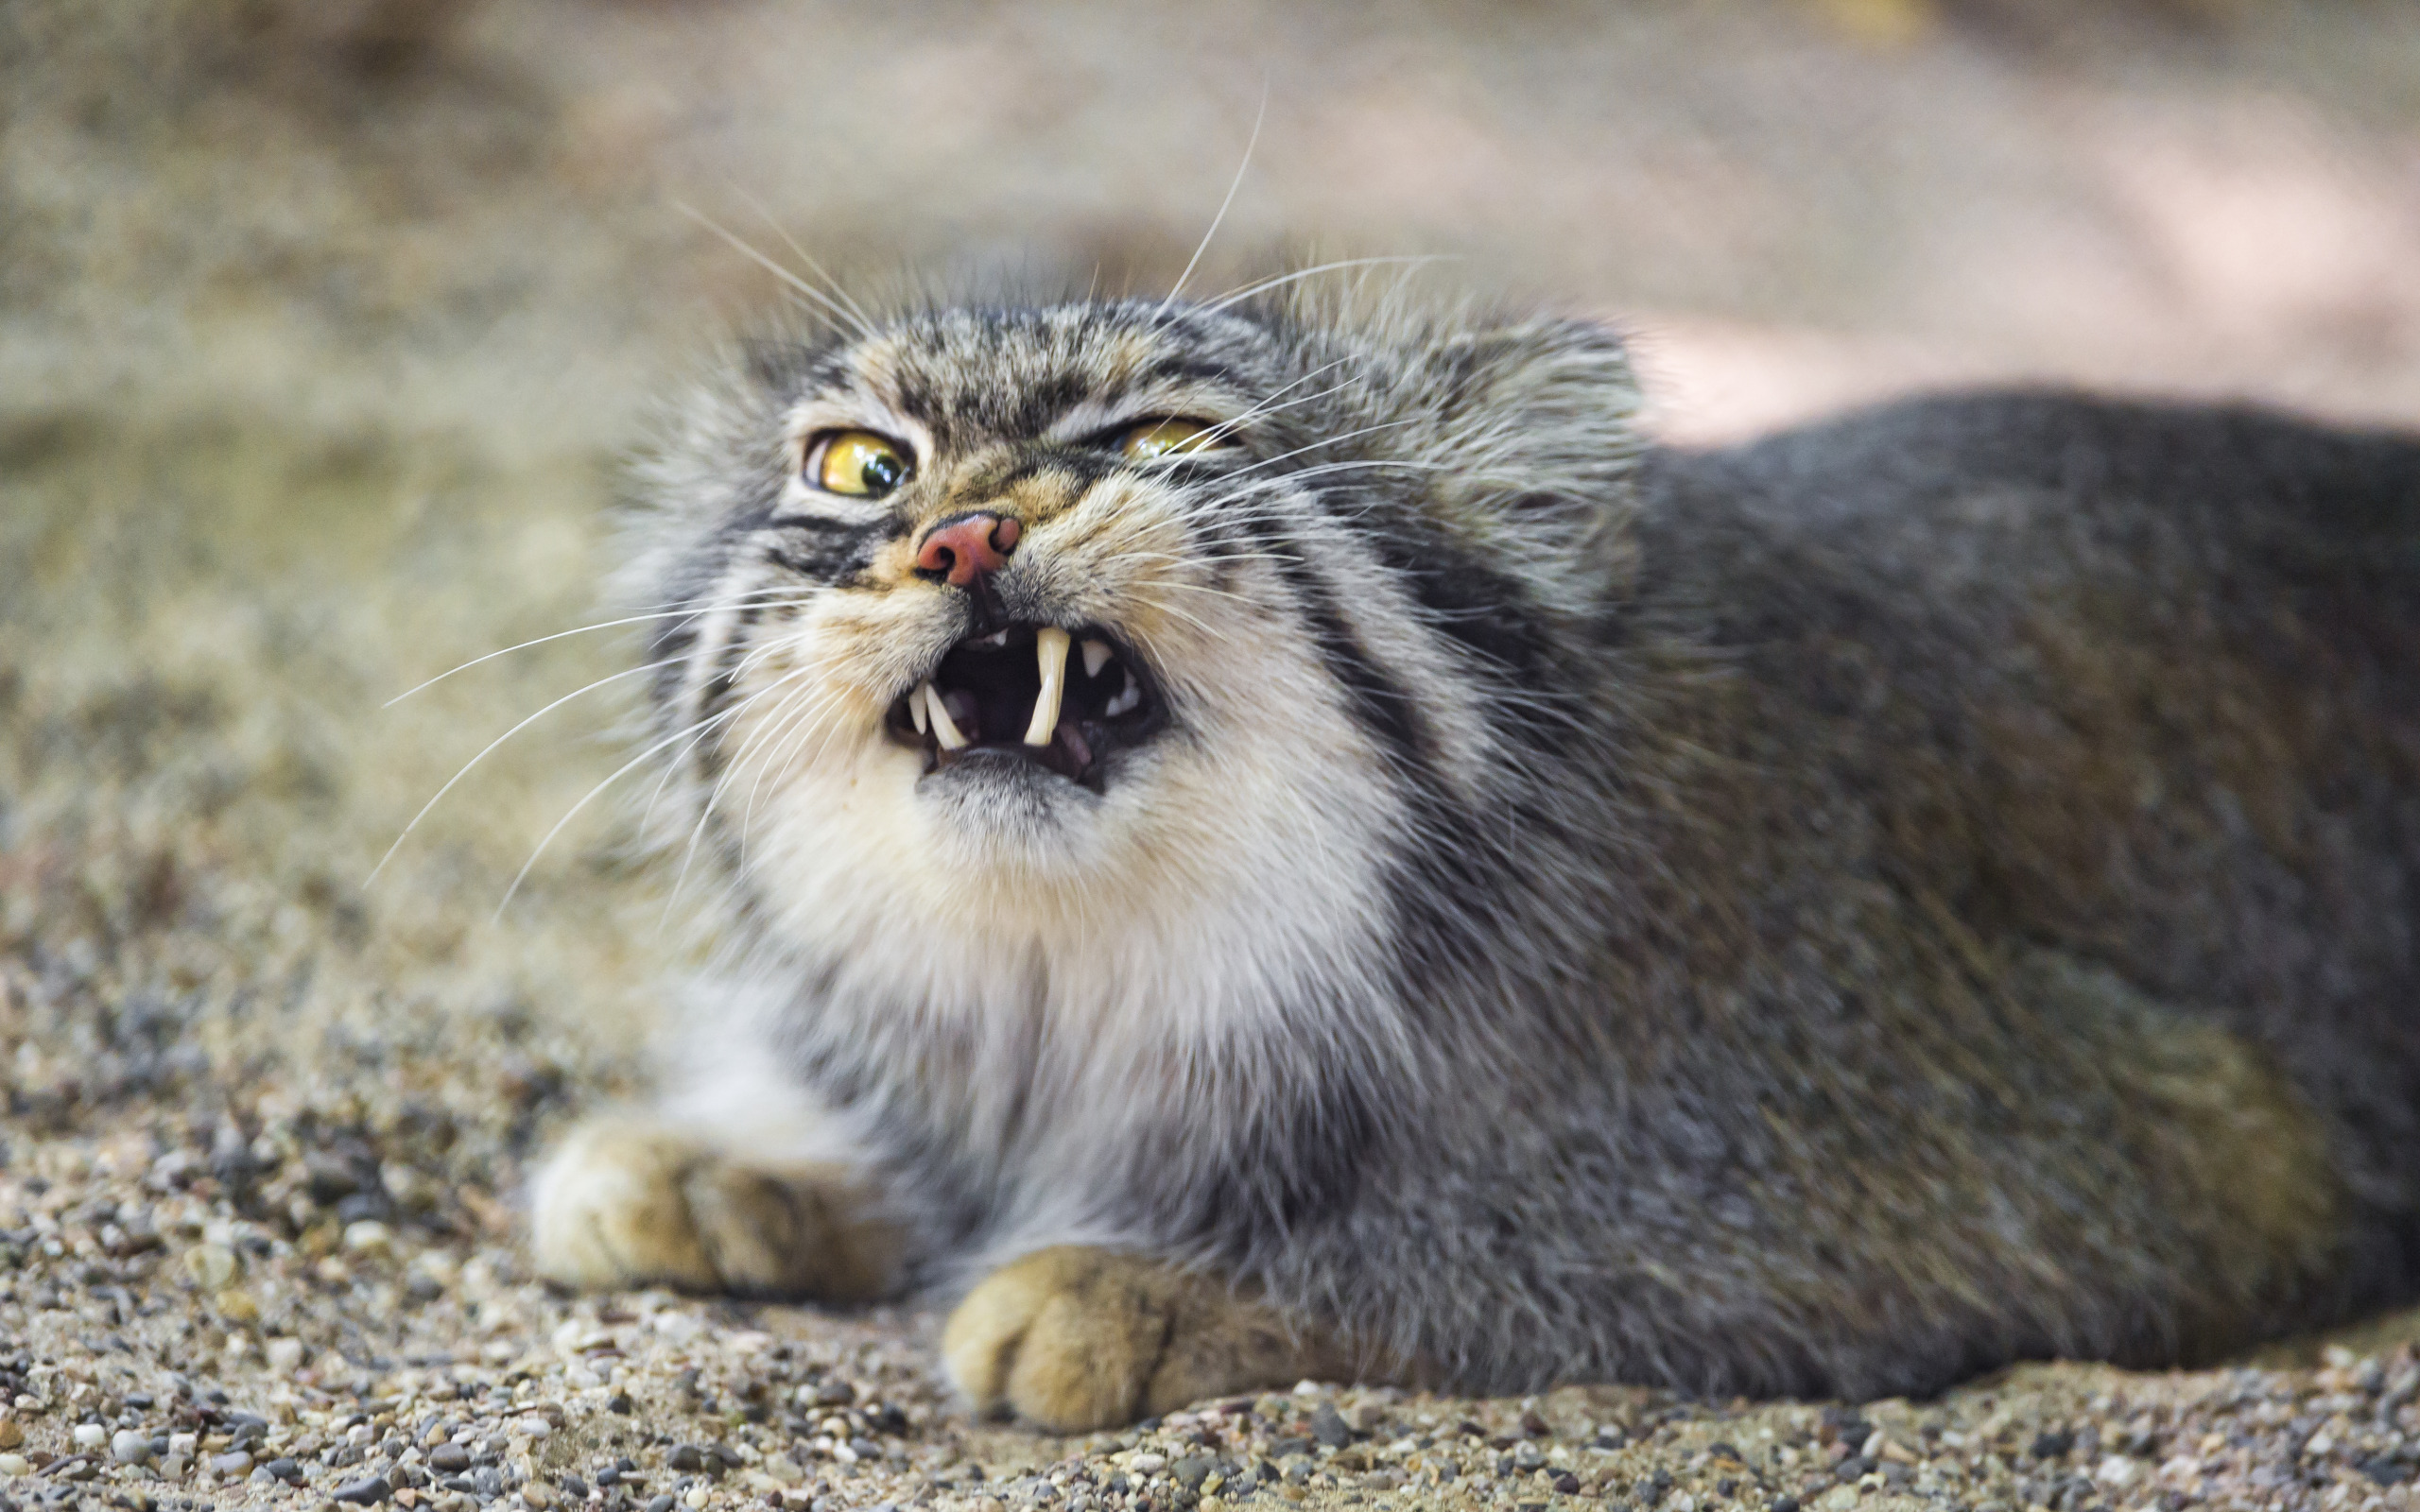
x: 1489, y: 614
x: 1376, y: 700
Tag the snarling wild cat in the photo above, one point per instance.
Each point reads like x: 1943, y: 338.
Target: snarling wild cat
x: 1281, y: 838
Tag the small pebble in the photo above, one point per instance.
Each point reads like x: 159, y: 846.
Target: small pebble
x: 129, y: 1446
x: 90, y: 1436
x: 234, y: 1463
x: 211, y: 1266
x: 15, y: 1465
x: 370, y: 1491
x: 1329, y: 1427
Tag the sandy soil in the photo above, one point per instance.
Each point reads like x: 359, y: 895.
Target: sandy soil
x: 320, y: 325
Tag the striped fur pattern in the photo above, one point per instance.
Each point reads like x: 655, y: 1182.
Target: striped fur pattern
x: 1828, y: 915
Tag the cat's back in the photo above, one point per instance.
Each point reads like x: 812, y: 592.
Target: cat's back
x: 2138, y: 683
x: 2016, y: 497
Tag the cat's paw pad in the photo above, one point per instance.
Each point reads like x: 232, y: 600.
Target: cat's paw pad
x: 1075, y: 1338
x: 632, y: 1202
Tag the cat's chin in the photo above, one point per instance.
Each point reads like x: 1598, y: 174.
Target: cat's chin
x: 1016, y: 780
x: 1001, y: 806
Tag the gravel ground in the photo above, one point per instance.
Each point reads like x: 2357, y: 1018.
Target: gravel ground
x: 320, y: 325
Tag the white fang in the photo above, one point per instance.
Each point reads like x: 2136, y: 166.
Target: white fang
x: 1095, y: 657
x: 945, y: 728
x: 1050, y: 649
x: 916, y: 705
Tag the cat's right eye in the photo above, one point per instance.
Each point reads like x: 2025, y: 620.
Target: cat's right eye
x: 1172, y: 437
x: 858, y: 463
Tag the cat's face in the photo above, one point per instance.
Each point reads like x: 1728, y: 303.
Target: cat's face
x: 1058, y: 616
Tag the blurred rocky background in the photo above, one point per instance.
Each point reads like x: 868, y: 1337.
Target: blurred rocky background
x: 321, y: 326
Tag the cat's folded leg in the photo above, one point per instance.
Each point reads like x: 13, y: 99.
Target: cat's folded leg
x: 1075, y: 1338
x: 638, y: 1200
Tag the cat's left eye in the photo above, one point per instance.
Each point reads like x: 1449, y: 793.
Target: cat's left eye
x: 858, y: 462
x: 1172, y: 438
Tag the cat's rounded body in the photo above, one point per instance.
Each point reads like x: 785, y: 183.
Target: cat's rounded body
x: 1502, y: 904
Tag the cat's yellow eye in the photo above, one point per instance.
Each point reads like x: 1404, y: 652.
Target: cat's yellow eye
x: 858, y: 463
x: 1170, y: 437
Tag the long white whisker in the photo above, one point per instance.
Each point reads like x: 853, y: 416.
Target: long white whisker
x: 864, y: 322
x: 1312, y: 446
x: 627, y: 672
x: 803, y: 714
x: 741, y: 246
x: 583, y: 629
x: 1233, y: 185
x: 573, y: 811
x: 1284, y: 279
x: 714, y: 796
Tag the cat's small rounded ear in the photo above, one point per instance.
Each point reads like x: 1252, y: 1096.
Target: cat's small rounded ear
x: 1534, y: 447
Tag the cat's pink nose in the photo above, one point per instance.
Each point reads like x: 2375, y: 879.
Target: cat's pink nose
x: 968, y: 546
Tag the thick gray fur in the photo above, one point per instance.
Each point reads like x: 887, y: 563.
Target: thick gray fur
x: 1827, y: 915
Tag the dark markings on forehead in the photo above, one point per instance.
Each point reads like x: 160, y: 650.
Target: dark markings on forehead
x: 1181, y: 369
x: 1012, y: 374
x: 1081, y: 467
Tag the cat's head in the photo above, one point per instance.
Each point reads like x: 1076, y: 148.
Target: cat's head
x: 1058, y: 617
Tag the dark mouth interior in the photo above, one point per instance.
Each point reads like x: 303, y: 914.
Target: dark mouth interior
x: 989, y: 685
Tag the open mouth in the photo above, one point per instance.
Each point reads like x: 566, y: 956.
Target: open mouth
x: 1064, y: 700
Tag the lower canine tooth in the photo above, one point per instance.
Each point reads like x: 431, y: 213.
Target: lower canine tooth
x: 1095, y: 657
x: 945, y: 728
x: 916, y: 705
x: 1050, y: 650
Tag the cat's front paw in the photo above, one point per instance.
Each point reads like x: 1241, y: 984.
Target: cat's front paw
x: 1077, y: 1338
x: 632, y: 1202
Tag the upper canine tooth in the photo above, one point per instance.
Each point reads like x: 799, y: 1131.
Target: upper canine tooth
x: 916, y: 704
x: 1050, y: 649
x: 1095, y: 657
x: 945, y: 728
